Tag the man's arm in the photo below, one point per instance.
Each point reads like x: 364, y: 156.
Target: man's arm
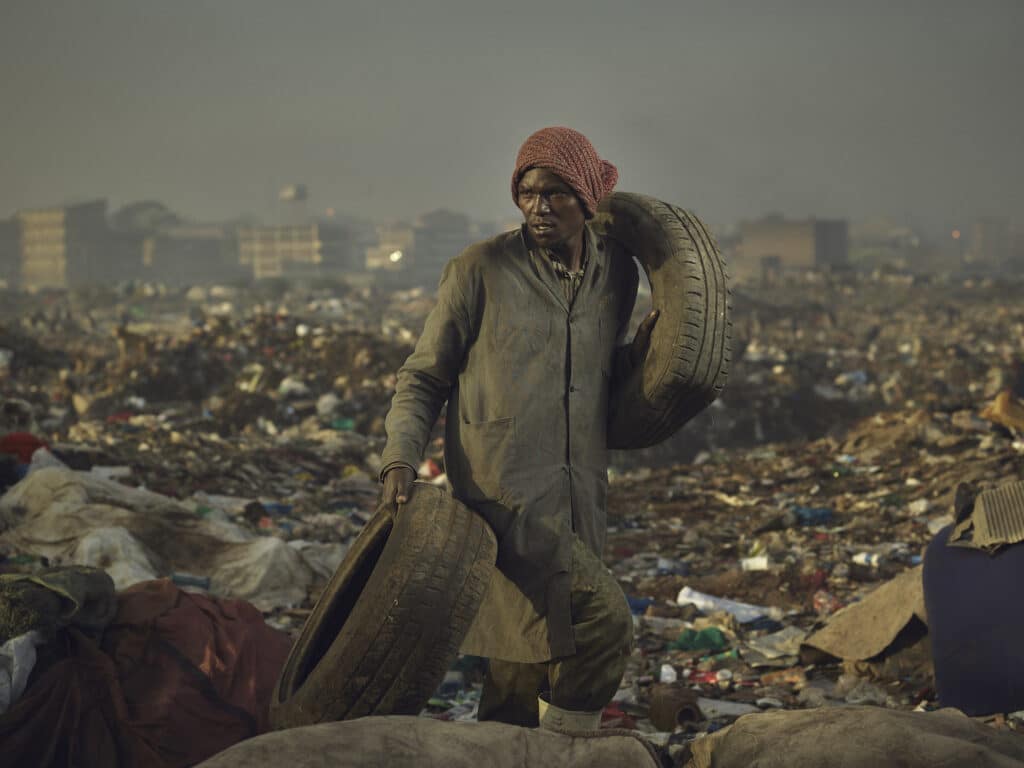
x: 623, y: 357
x: 427, y: 376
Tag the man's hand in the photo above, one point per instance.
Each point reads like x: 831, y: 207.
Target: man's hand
x: 642, y: 339
x: 397, y: 487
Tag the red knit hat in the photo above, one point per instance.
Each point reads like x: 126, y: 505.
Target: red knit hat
x: 569, y: 154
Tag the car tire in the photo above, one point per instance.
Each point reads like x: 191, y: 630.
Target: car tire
x: 390, y: 621
x: 687, y: 363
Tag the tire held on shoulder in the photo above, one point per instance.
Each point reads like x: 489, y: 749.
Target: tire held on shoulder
x: 687, y: 363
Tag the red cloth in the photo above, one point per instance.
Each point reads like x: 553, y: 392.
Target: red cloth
x: 176, y: 678
x: 22, y: 445
x: 570, y: 155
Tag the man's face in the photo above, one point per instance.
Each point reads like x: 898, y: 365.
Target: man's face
x: 553, y: 213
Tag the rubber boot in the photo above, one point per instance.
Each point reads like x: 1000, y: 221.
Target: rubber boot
x: 554, y: 718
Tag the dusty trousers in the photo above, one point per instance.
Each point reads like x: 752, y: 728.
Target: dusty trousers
x: 586, y: 681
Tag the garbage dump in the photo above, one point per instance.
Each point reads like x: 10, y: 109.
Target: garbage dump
x: 217, y: 452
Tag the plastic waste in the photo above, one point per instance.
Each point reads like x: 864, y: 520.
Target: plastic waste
x: 265, y: 571
x: 708, y: 639
x: 113, y: 548
x: 43, y: 459
x: 111, y: 473
x: 715, y: 708
x: 327, y: 405
x: 919, y: 507
x: 189, y: 580
x: 807, y: 516
x: 825, y: 603
x: 293, y: 387
x: 17, y: 660
x: 323, y: 558
x: 638, y: 605
x: 669, y: 567
x: 743, y: 612
x: 797, y: 516
x: 871, y: 559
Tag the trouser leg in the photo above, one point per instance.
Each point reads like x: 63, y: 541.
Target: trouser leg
x: 603, y: 631
x: 510, y: 692
x: 584, y: 682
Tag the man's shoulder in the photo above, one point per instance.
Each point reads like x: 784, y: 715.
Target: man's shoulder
x: 491, y: 248
x: 485, y: 254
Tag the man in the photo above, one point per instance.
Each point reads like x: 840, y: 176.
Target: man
x: 522, y: 345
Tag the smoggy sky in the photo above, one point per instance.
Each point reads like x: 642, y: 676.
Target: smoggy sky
x: 385, y: 109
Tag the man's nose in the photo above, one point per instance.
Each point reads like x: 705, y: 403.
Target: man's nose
x: 543, y: 203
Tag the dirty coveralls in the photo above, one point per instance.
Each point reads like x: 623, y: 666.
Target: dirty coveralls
x: 527, y: 373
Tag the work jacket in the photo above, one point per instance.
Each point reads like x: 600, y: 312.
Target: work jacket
x: 527, y: 378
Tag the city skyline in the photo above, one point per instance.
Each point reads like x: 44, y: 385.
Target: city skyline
x: 822, y: 110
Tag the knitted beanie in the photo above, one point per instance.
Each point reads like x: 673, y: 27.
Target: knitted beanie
x: 569, y: 154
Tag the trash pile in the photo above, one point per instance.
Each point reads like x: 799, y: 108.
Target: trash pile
x: 229, y: 440
x: 247, y: 432
x: 813, y: 358
x: 734, y: 563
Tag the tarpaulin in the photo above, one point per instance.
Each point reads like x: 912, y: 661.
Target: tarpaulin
x: 176, y: 678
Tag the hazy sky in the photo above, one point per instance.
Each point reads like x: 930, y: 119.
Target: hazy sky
x: 386, y: 109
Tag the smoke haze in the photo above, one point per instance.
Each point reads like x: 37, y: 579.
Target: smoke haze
x: 390, y: 109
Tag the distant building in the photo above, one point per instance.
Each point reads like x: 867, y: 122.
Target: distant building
x: 439, y: 237
x: 882, y: 243
x: 10, y: 259
x: 415, y: 256
x: 1017, y: 252
x: 990, y: 247
x: 304, y: 251
x: 190, y: 254
x: 394, y: 246
x: 498, y: 226
x: 72, y: 245
x: 773, y: 245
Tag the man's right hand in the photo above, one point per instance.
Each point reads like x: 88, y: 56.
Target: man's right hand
x: 397, y: 487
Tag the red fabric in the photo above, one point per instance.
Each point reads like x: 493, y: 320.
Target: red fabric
x: 22, y: 445
x: 570, y: 155
x: 72, y: 714
x: 177, y: 678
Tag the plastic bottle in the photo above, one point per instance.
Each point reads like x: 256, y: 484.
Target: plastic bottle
x: 797, y: 516
x: 813, y: 515
x: 190, y: 580
x: 871, y: 559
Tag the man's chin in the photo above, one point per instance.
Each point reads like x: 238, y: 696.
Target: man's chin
x: 547, y: 239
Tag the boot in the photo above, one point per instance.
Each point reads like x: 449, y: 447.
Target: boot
x: 554, y: 718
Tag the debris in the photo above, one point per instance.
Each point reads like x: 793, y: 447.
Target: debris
x: 867, y: 628
x: 1007, y: 411
x: 237, y: 453
x: 743, y: 612
x: 673, y: 705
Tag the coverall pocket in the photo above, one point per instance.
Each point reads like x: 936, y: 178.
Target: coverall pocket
x: 489, y: 450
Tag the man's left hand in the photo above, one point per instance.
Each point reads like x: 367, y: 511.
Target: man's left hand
x: 642, y: 339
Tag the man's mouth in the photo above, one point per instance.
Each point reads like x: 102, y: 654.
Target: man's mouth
x: 542, y: 226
